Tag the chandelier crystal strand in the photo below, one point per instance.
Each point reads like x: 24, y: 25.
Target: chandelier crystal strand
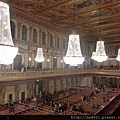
x: 39, y: 56
x: 118, y: 56
x: 73, y: 55
x: 7, y: 50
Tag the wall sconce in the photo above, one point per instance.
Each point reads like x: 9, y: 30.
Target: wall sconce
x: 48, y: 60
x: 29, y: 59
x: 61, y: 61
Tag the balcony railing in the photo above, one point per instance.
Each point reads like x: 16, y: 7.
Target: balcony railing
x: 8, y: 76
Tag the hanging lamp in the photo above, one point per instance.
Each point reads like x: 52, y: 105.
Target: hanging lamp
x: 74, y: 55
x: 7, y: 50
x: 99, y: 55
x: 39, y: 56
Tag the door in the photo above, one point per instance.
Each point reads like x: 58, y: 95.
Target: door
x: 18, y: 62
x: 10, y: 97
x: 54, y: 63
x: 22, y: 96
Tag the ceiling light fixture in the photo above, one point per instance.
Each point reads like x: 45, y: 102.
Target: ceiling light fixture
x: 74, y: 55
x: 99, y: 55
x: 39, y: 56
x: 7, y: 50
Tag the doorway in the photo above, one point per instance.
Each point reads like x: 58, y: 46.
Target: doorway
x: 18, y: 62
x: 54, y: 63
x: 22, y: 96
x: 10, y: 97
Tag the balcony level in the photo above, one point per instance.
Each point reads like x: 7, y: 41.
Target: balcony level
x: 14, y: 76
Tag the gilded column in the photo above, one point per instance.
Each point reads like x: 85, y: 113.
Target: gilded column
x: 55, y: 41
x: 29, y: 91
x: 40, y: 38
x: 17, y: 89
x: 48, y: 38
x: 30, y: 34
x: 33, y: 89
x: 3, y: 91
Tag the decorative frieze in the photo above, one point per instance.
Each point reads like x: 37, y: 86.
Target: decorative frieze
x: 38, y: 22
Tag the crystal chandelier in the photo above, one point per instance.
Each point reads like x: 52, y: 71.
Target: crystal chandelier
x: 118, y: 56
x: 39, y: 56
x: 99, y: 55
x: 73, y: 55
x: 7, y: 50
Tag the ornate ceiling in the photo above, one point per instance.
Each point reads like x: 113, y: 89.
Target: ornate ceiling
x: 91, y: 18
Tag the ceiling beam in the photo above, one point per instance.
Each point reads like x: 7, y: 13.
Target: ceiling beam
x: 51, y: 6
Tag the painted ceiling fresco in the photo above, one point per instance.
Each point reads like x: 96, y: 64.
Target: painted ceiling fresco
x: 87, y: 15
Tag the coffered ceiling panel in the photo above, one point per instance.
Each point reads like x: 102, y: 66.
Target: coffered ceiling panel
x: 90, y: 18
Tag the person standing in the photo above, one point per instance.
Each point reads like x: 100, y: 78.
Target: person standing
x: 22, y: 67
x: 40, y: 94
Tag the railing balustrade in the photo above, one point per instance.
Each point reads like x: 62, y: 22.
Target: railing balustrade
x: 51, y: 73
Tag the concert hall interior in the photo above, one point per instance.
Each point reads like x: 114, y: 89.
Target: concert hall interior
x: 60, y: 57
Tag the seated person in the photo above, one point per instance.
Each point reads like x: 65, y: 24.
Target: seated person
x: 34, y: 99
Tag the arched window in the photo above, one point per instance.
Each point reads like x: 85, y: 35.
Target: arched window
x: 12, y: 29
x: 34, y: 35
x: 109, y: 50
x: 24, y: 33
x: 43, y: 38
x: 58, y: 42
x: 63, y: 43
x: 51, y: 40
